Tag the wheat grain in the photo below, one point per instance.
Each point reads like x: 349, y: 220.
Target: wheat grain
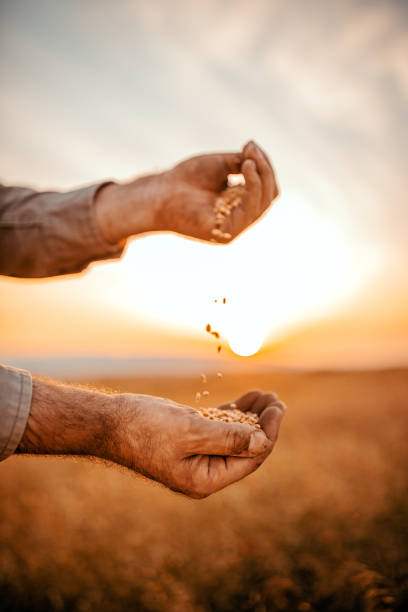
x: 224, y: 204
x: 230, y: 416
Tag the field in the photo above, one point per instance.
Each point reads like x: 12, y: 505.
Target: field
x: 322, y: 526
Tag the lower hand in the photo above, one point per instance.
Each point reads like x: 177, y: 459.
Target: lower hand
x: 165, y: 441
x: 175, y: 445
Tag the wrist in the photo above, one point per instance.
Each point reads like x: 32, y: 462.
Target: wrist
x: 125, y: 437
x: 127, y: 209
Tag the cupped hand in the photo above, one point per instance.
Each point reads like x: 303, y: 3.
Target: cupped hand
x: 191, y: 188
x: 175, y: 445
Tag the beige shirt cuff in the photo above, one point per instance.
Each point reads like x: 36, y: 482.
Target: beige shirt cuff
x: 15, y: 402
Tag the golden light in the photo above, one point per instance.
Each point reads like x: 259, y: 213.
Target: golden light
x: 295, y: 266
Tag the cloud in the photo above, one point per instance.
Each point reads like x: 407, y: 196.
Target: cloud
x: 94, y: 90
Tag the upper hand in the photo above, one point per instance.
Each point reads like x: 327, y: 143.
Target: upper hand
x: 192, y: 187
x: 182, y: 199
x: 175, y: 445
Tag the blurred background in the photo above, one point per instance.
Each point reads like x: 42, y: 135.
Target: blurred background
x: 317, y: 299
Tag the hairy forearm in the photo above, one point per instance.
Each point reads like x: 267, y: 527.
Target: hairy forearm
x: 69, y: 420
x: 165, y: 441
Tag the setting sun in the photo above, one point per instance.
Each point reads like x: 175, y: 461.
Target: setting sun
x: 245, y: 342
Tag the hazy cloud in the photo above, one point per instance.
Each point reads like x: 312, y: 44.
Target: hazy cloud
x: 93, y: 90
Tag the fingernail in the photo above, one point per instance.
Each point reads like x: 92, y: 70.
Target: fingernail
x: 257, y: 443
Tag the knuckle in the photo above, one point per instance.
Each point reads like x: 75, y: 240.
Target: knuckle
x: 280, y: 405
x: 277, y: 409
x: 197, y: 486
x: 274, y: 437
x: 259, y: 461
x: 198, y: 493
x: 192, y: 422
x: 237, y: 440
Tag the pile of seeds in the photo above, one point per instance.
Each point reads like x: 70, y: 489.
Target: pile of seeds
x: 232, y: 415
x: 229, y: 199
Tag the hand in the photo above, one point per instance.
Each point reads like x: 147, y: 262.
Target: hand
x: 182, y: 199
x: 165, y: 441
x: 188, y: 453
x: 194, y: 185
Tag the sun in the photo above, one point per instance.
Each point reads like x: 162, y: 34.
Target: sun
x: 245, y: 341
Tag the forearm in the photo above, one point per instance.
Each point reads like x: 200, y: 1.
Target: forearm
x: 67, y: 420
x: 165, y: 441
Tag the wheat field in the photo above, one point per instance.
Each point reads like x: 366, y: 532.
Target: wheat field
x: 321, y: 526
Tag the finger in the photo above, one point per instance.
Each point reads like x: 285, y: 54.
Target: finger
x: 227, y: 439
x: 269, y: 183
x: 225, y: 472
x: 244, y: 402
x: 263, y: 401
x: 269, y: 186
x: 220, y: 165
x: 210, y: 171
x: 253, y: 186
x: 271, y: 418
x: 231, y: 162
x: 251, y: 207
x: 273, y: 171
x: 248, y: 145
x: 226, y: 163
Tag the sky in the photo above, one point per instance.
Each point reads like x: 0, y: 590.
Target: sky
x: 92, y: 91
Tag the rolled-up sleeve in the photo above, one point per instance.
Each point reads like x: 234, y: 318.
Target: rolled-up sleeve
x: 50, y: 233
x: 15, y: 402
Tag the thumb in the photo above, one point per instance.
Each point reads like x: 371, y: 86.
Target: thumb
x: 229, y: 439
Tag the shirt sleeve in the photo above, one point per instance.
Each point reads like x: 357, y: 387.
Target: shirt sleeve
x: 50, y: 233
x: 15, y: 402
